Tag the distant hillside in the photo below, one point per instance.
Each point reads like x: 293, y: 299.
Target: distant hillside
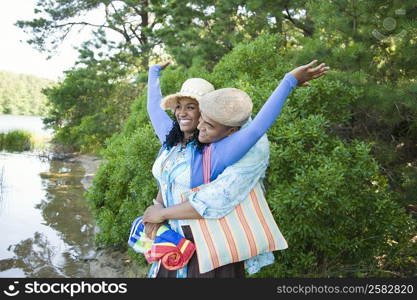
x: 20, y: 94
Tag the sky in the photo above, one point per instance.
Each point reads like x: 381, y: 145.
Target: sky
x: 17, y: 56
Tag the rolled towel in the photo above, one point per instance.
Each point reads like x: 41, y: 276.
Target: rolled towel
x: 170, y: 247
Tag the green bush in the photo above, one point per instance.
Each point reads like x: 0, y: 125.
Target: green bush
x: 327, y: 194
x: 332, y: 204
x: 16, y: 141
x: 124, y: 185
x: 90, y: 105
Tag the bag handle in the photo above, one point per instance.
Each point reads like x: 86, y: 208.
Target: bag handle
x: 207, y: 164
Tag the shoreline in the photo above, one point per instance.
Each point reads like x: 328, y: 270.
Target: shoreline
x: 107, y: 262
x: 90, y: 164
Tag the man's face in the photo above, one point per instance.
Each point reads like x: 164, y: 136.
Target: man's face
x: 212, y: 131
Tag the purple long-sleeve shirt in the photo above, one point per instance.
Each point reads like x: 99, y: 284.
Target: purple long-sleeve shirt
x: 230, y: 149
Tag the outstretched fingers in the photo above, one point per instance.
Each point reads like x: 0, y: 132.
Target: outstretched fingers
x: 319, y: 74
x: 311, y: 64
x: 308, y: 72
x: 318, y: 68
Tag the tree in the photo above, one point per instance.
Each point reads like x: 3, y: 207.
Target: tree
x: 90, y: 104
x: 132, y: 20
x: 206, y: 30
x: 21, y: 94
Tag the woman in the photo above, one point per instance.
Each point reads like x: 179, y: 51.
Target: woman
x: 228, y: 145
x: 178, y: 137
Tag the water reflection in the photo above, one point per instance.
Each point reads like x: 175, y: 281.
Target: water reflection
x: 2, y: 185
x: 50, y: 229
x: 34, y: 257
x: 64, y: 207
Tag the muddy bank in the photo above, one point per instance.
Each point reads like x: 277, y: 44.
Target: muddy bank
x: 90, y: 165
x: 106, y: 262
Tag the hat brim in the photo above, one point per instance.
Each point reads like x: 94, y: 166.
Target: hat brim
x: 170, y: 101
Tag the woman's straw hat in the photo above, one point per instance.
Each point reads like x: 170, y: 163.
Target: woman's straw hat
x: 193, y: 88
x: 228, y: 106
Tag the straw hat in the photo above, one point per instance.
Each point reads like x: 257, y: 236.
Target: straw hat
x: 192, y: 88
x: 228, y: 106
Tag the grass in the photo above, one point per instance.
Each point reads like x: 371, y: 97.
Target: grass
x: 20, y: 140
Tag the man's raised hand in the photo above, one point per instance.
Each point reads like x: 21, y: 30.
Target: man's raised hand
x: 164, y: 64
x: 308, y: 72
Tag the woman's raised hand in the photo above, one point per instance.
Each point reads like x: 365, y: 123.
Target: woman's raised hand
x: 308, y: 72
x: 164, y: 64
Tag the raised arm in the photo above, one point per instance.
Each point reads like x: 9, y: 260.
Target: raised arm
x: 160, y: 120
x: 235, y: 146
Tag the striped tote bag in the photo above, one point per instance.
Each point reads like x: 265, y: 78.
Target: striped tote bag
x: 249, y: 230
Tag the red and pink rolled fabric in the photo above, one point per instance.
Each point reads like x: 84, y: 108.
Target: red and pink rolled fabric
x: 170, y: 247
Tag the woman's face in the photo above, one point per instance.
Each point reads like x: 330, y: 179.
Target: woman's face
x: 211, y: 131
x: 187, y: 115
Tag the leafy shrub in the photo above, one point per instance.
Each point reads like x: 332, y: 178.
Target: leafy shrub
x: 16, y: 140
x: 327, y: 194
x: 89, y: 106
x: 332, y: 204
x: 124, y: 185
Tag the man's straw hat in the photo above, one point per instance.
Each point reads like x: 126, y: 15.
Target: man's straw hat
x: 193, y: 88
x: 228, y: 106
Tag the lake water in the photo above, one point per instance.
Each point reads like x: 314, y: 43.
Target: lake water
x: 46, y: 225
x: 32, y: 124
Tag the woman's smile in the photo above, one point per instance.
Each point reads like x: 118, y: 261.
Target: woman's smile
x: 185, y: 122
x: 187, y: 115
